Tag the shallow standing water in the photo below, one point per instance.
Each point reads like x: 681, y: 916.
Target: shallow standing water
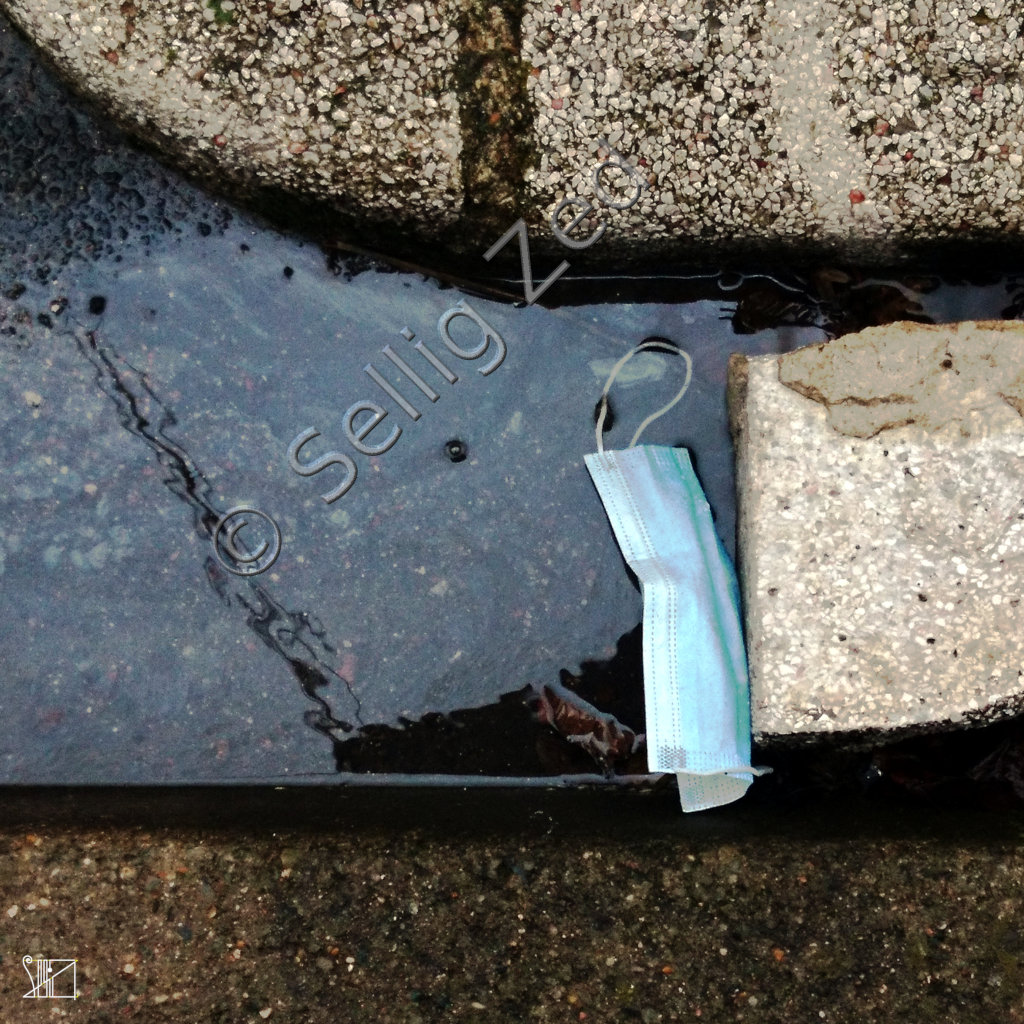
x: 168, y: 359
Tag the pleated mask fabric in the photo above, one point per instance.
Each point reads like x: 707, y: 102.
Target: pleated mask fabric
x: 696, y: 688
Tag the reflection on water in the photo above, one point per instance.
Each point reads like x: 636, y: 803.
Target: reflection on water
x: 459, y: 607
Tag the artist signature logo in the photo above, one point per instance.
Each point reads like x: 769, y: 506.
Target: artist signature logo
x: 53, y: 979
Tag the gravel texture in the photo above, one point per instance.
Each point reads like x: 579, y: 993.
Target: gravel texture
x: 860, y: 127
x: 325, y: 99
x: 834, y: 128
x: 384, y: 927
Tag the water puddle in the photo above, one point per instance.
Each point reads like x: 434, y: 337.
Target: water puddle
x: 272, y: 514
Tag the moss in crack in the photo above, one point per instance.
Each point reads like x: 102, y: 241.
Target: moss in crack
x: 221, y: 15
x: 223, y: 67
x: 490, y: 79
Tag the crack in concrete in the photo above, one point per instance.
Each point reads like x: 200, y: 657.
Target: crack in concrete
x: 295, y: 636
x: 956, y: 374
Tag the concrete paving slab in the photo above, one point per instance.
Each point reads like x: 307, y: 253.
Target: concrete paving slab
x: 328, y: 100
x: 838, y: 128
x: 881, y: 536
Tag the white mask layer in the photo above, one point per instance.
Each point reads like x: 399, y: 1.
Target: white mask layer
x: 696, y: 689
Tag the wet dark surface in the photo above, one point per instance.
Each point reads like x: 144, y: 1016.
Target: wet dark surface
x: 166, y: 359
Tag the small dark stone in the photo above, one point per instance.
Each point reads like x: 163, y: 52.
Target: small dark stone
x: 288, y: 271
x: 456, y: 450
x: 97, y: 304
x: 204, y: 228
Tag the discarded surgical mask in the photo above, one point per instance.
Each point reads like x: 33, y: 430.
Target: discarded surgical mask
x: 696, y: 688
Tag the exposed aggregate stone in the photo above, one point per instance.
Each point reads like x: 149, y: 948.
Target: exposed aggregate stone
x: 838, y: 125
x: 880, y: 529
x: 341, y: 102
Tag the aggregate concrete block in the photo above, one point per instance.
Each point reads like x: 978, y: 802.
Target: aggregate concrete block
x: 345, y: 105
x: 881, y: 529
x: 829, y: 128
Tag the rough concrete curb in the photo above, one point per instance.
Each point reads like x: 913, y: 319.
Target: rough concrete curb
x: 881, y: 529
x: 826, y: 129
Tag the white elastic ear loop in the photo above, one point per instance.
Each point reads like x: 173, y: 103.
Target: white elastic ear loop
x: 661, y: 346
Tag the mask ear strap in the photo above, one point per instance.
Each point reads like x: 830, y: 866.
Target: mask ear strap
x: 603, y: 402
